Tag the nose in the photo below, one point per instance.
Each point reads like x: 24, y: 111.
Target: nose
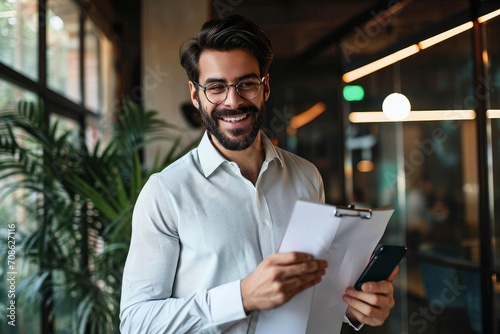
x: 233, y: 99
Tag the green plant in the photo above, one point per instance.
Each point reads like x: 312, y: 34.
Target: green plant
x: 79, y: 204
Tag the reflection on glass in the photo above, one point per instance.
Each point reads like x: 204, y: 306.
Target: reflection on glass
x: 92, y: 58
x: 10, y: 95
x: 19, y: 35
x: 493, y: 50
x: 428, y: 171
x: 64, y: 125
x: 451, y: 301
x: 92, y: 132
x: 437, y: 215
x: 63, y: 48
x: 492, y: 30
x: 495, y: 146
x: 27, y: 313
x: 440, y: 216
x: 496, y: 286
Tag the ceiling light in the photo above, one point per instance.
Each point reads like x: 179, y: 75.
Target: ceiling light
x: 380, y: 63
x: 396, y: 106
x: 416, y: 116
x: 493, y: 113
x: 445, y: 35
x: 365, y: 166
x: 305, y: 117
x: 488, y: 16
x: 411, y: 50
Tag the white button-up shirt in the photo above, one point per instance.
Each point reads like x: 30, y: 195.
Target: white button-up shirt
x: 199, y: 227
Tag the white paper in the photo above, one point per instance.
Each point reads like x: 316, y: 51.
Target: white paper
x: 311, y: 229
x: 346, y: 243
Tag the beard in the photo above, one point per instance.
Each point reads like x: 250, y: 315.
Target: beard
x: 235, y: 139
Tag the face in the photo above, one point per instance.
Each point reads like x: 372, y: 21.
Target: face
x: 235, y: 123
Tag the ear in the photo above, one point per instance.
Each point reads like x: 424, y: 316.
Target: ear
x: 193, y: 94
x: 267, y: 87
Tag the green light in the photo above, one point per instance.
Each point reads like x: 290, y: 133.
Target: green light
x: 353, y: 93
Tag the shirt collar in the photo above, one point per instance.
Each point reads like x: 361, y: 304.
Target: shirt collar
x: 270, y: 149
x: 211, y: 159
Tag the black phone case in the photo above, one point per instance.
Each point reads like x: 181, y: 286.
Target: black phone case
x: 381, y: 264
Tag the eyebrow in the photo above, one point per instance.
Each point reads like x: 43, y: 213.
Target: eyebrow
x: 243, y: 77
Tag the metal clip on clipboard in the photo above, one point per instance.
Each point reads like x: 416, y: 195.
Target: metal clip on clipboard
x: 351, y: 211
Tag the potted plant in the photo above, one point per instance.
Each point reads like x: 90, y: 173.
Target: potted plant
x: 78, y: 206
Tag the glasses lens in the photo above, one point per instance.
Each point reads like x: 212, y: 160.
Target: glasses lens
x: 248, y: 89
x: 216, y: 92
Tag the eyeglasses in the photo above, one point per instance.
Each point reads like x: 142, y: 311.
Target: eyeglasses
x: 216, y: 92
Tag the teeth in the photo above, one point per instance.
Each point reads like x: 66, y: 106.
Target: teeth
x: 234, y: 119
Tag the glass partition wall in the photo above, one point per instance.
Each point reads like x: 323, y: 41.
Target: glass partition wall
x: 492, y: 57
x: 427, y: 166
x: 438, y: 167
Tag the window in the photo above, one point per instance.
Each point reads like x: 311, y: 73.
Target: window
x: 63, y: 57
x: 11, y: 214
x: 77, y: 93
x: 93, y: 80
x: 19, y: 35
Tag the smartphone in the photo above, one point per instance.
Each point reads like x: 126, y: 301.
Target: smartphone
x: 381, y: 264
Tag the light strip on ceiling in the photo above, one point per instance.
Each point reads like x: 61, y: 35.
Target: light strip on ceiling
x: 488, y: 16
x: 493, y: 113
x: 380, y: 63
x: 415, y: 116
x: 305, y: 117
x: 445, y: 35
x: 413, y: 49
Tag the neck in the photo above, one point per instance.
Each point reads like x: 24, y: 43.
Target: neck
x: 249, y: 160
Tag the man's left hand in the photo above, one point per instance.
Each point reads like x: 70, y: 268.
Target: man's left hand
x: 372, y: 305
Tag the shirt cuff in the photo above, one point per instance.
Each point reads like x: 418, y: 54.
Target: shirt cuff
x: 225, y: 303
x: 357, y: 326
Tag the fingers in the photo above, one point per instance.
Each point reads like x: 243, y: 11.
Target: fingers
x: 294, y: 264
x: 382, y: 287
x: 304, y: 268
x: 372, y: 305
x: 302, y: 282
x: 289, y: 258
x: 297, y: 270
x: 377, y: 294
x: 394, y: 274
x: 278, y: 278
x: 366, y: 315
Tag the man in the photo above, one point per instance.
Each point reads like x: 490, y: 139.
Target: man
x: 207, y: 228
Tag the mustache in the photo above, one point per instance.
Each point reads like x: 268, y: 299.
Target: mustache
x: 218, y: 113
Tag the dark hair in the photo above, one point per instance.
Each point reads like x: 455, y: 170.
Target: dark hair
x: 229, y: 33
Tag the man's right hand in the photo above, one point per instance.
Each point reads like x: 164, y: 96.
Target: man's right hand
x: 278, y: 278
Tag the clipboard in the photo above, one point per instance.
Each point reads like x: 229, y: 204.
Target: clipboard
x: 351, y: 211
x: 343, y: 235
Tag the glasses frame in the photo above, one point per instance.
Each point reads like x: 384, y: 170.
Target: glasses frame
x: 236, y: 86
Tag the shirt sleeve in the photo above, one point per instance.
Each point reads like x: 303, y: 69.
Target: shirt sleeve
x: 146, y: 303
x: 357, y: 326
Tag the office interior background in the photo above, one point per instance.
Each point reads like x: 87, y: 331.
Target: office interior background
x: 335, y: 64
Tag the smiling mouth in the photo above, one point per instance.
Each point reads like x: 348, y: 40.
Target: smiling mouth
x: 234, y: 119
